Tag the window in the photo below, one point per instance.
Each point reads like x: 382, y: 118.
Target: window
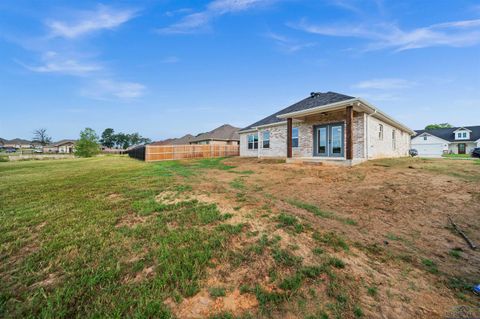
x: 253, y: 141
x: 425, y: 137
x: 266, y: 139
x: 394, y: 139
x: 295, y: 137
x: 380, y: 132
x: 464, y: 134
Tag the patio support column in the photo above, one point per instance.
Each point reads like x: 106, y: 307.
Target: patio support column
x: 349, y: 132
x: 289, y: 137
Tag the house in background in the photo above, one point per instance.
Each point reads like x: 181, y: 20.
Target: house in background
x: 17, y: 143
x: 327, y: 127
x: 62, y: 146
x: 184, y: 140
x: 456, y: 140
x: 222, y: 135
x: 65, y: 146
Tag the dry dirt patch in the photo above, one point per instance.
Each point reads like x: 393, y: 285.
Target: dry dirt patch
x: 202, y: 305
x: 402, y: 210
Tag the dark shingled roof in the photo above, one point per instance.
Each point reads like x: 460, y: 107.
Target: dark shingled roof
x: 225, y: 132
x: 314, y: 100
x: 17, y: 141
x: 175, y: 141
x: 61, y: 142
x: 448, y: 135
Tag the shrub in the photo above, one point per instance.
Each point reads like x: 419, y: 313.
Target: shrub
x: 87, y: 145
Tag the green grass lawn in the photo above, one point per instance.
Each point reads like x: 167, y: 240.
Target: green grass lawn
x: 65, y: 251
x: 457, y: 156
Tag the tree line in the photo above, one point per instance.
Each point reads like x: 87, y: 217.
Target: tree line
x: 121, y: 140
x: 90, y: 143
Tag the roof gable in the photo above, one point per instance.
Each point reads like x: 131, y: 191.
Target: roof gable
x: 224, y: 132
x: 63, y: 142
x: 17, y: 141
x: 175, y: 141
x: 462, y: 129
x: 314, y: 100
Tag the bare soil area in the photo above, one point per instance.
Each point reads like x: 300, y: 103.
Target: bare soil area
x: 402, y: 259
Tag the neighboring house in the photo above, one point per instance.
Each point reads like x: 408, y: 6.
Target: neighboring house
x: 2, y: 142
x: 50, y: 148
x: 175, y: 141
x: 65, y: 146
x: 18, y: 143
x: 456, y: 140
x: 223, y: 135
x: 327, y: 127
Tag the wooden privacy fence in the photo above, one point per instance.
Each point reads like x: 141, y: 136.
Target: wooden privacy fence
x: 173, y: 152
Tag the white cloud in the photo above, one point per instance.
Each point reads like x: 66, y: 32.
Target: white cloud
x: 382, y: 36
x: 384, y: 84
x: 108, y: 89
x: 287, y: 44
x: 89, y: 21
x: 55, y: 63
x: 200, y: 20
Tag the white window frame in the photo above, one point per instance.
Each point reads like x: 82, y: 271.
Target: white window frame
x: 252, y: 141
x: 394, y: 139
x: 266, y: 139
x: 380, y: 132
x: 295, y: 129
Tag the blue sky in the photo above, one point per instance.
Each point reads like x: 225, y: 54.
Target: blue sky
x: 167, y: 68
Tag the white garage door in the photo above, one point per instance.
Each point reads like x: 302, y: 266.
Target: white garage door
x: 429, y: 149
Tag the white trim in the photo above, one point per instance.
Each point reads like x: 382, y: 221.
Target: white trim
x: 381, y: 115
x: 270, y: 125
x: 314, y: 110
x: 462, y: 129
x: 250, y: 130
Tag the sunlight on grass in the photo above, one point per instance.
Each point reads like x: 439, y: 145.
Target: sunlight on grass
x: 80, y: 237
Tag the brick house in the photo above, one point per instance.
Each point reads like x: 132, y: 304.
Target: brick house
x: 327, y: 127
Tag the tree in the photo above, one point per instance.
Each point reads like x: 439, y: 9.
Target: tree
x: 87, y: 145
x: 122, y: 140
x: 40, y: 136
x: 435, y: 126
x: 108, y: 138
x: 137, y: 139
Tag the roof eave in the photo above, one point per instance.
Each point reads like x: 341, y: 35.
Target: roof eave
x: 387, y: 118
x: 317, y: 109
x: 420, y: 135
x: 462, y: 129
x: 358, y: 102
